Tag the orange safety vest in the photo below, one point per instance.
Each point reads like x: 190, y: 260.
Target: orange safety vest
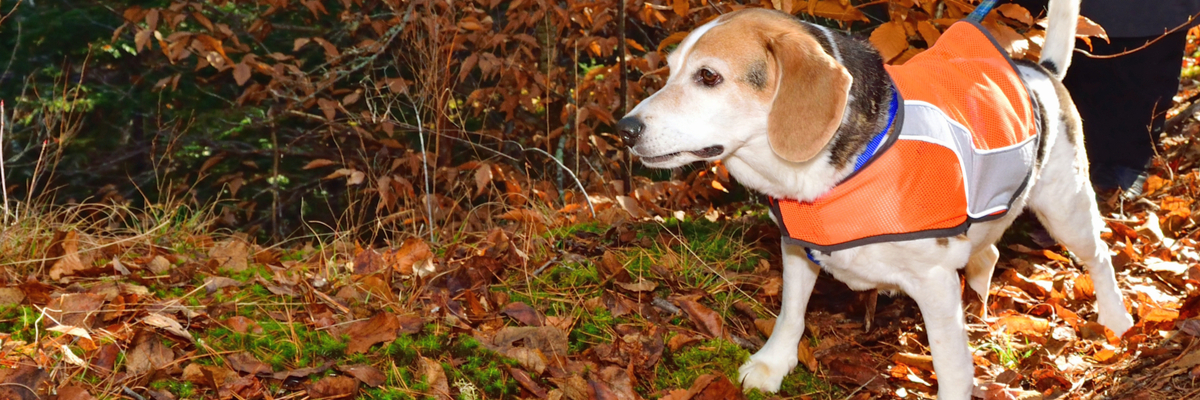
x: 965, y: 148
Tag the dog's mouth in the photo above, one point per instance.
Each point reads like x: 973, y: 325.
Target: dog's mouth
x: 710, y: 151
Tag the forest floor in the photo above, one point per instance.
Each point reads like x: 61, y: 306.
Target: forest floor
x: 560, y: 304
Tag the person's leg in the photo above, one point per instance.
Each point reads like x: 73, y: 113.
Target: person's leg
x: 1122, y: 102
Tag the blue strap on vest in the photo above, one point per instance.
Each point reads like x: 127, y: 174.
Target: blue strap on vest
x: 981, y: 11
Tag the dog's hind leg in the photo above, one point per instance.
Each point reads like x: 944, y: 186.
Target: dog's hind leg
x: 1065, y: 203
x: 766, y: 368
x: 979, y: 274
x: 938, y: 295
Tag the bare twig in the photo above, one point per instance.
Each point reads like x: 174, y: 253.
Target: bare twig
x: 425, y: 170
x: 275, y: 184
x: 12, y: 56
x: 1139, y: 48
x: 569, y: 172
x: 575, y: 178
x: 545, y: 265
x: 19, y: 385
x: 3, y: 181
x: 129, y: 392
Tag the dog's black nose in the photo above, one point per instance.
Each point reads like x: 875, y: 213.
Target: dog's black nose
x: 630, y: 129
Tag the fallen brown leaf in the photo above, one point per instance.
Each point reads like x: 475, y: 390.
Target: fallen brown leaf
x: 214, y: 283
x: 433, y: 373
x: 677, y: 394
x: 232, y: 254
x: 914, y: 360
x: 642, y: 285
x: 318, y: 163
x: 574, y: 387
x: 526, y: 382
x: 11, y: 296
x: 619, y: 382
x: 890, y: 39
x: 367, y: 261
x: 282, y: 288
x: 36, y: 292
x: 551, y: 341
x: 105, y: 358
x: 410, y: 323
x: 242, y: 324
x: 709, y: 322
x: 76, y: 309
x: 413, y: 257
x: 714, y: 387
x: 22, y: 382
x: 526, y: 216
x: 523, y: 313
x: 853, y: 367
x: 159, y: 265
x: 247, y: 363
x: 772, y: 286
x: 208, y: 375
x: 531, y: 359
x: 377, y: 286
x: 168, y: 324
x: 617, y: 304
x: 599, y: 390
x: 71, y: 261
x: 612, y: 269
x: 1187, y: 360
x: 303, y: 372
x: 333, y: 387
x: 241, y: 387
x: 766, y: 326
x: 366, y: 374
x: 1106, y: 356
x: 1018, y: 323
x: 679, y: 341
x: 149, y: 355
x: 1095, y: 331
x: 1154, y: 313
x: 805, y: 356
x: 72, y: 392
x: 363, y: 334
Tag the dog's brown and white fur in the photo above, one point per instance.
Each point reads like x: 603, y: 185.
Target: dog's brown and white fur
x: 789, y: 105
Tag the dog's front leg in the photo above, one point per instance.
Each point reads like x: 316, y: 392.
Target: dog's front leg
x: 938, y: 295
x: 766, y: 368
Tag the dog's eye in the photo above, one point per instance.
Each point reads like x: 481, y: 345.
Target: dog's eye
x: 708, y: 77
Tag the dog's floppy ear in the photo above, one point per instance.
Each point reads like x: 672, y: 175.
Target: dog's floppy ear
x: 810, y: 96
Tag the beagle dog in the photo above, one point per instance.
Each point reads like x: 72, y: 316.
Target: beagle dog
x: 887, y: 177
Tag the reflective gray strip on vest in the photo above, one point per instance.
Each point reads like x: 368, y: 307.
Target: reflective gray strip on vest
x: 992, y: 177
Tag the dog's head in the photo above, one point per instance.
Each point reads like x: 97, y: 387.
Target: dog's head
x: 744, y: 75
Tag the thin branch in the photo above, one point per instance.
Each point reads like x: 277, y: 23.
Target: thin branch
x: 497, y: 152
x: 1139, y: 48
x: 3, y: 181
x: 568, y: 170
x: 394, y: 32
x: 425, y: 171
x: 10, y: 12
x: 12, y: 56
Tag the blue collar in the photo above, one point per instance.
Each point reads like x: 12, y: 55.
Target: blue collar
x: 872, y: 149
x: 873, y: 145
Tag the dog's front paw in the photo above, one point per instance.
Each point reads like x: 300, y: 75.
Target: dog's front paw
x: 1118, y: 321
x: 764, y: 373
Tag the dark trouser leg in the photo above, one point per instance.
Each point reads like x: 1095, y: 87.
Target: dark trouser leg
x: 1123, y: 102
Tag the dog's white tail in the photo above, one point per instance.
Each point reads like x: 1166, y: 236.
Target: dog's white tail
x: 1060, y: 36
